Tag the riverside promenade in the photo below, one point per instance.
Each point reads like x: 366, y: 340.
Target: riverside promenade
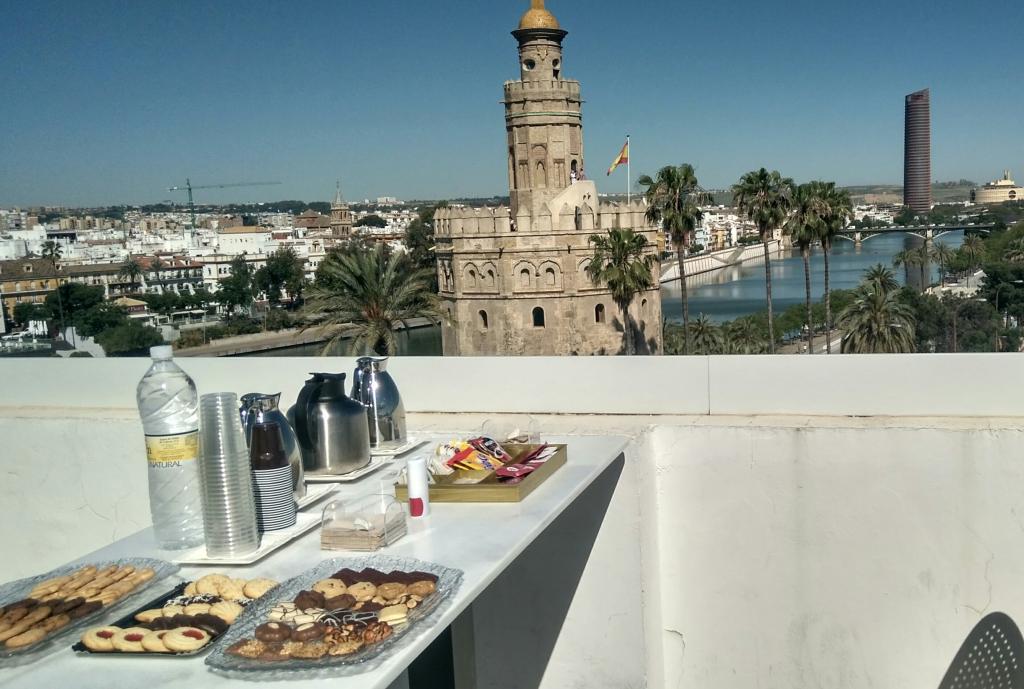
x: 717, y: 260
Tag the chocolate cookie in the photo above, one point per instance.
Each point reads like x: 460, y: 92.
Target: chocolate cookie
x: 309, y: 599
x: 211, y: 624
x: 273, y: 632
x: 342, y: 602
x: 67, y: 605
x: 347, y: 576
x: 308, y: 632
x: 86, y: 608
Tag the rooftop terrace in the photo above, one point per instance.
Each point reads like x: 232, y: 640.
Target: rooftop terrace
x: 778, y: 521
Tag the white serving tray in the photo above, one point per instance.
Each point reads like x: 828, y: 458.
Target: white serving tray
x: 409, y: 446
x: 315, y: 493
x: 375, y: 464
x: 269, y: 542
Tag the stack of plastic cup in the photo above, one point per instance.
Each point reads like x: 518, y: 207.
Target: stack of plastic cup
x: 229, y: 508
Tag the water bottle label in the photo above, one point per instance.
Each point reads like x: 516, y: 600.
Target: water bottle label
x: 168, y: 451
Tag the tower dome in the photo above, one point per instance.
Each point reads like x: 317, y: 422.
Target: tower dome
x: 538, y: 17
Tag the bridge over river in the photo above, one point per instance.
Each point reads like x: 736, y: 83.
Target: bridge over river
x: 925, y: 232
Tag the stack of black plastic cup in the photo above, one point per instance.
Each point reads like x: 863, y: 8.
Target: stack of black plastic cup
x: 271, y: 479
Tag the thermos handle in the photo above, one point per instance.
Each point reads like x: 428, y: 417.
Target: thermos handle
x: 304, y: 432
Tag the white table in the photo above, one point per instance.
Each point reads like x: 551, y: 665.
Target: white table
x: 482, y: 540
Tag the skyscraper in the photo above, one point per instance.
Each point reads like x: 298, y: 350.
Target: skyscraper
x: 917, y: 157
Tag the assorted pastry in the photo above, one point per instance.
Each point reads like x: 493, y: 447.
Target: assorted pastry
x: 338, y: 616
x: 185, y: 623
x: 57, y: 602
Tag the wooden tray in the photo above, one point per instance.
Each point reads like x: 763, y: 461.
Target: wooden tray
x: 491, y: 489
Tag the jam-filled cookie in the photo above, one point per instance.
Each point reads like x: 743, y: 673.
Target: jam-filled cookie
x: 154, y: 642
x: 130, y: 640
x: 100, y: 639
x: 185, y: 639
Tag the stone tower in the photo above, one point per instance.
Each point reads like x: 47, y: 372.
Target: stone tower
x: 512, y: 280
x: 341, y: 217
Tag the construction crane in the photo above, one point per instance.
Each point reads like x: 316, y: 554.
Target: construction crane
x: 189, y: 188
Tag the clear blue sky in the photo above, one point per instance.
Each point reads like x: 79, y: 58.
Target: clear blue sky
x: 108, y: 101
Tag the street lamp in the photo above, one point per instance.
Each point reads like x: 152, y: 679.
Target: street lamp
x: 956, y: 317
x: 998, y: 290
x: 1005, y: 284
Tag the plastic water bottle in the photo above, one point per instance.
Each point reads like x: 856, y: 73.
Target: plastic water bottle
x: 169, y: 407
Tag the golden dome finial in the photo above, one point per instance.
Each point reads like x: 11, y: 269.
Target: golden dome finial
x: 538, y: 17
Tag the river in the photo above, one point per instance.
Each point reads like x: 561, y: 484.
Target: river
x: 739, y: 290
x: 723, y: 295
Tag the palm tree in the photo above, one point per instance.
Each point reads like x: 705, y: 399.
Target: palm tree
x: 132, y: 272
x: 52, y: 252
x: 881, y: 279
x: 910, y: 258
x: 674, y: 198
x: 373, y: 292
x: 1015, y: 251
x: 877, y: 322
x: 837, y: 215
x: 804, y: 228
x: 743, y: 336
x: 943, y: 255
x: 622, y: 263
x: 974, y: 250
x: 765, y: 198
x: 706, y: 336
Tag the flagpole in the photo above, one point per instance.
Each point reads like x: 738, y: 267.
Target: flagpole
x: 629, y: 172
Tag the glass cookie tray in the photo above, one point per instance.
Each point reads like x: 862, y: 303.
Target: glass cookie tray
x: 15, y: 591
x: 448, y: 582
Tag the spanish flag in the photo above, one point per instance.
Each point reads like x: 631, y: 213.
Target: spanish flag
x: 622, y: 158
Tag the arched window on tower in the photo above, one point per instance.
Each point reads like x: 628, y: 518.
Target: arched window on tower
x: 550, y: 280
x: 542, y: 179
x: 524, y: 277
x: 483, y: 320
x: 599, y: 313
x: 538, y: 317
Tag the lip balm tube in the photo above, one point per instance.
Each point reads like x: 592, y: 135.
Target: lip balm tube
x: 419, y: 488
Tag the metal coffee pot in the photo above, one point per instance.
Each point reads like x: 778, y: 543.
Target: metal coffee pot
x: 258, y: 408
x: 375, y: 389
x: 332, y: 429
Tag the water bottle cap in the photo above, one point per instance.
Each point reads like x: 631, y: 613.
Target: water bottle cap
x: 162, y: 353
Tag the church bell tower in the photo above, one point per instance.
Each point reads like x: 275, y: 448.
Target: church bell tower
x: 341, y: 217
x: 542, y: 116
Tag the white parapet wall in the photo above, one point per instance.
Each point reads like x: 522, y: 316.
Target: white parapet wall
x: 780, y: 522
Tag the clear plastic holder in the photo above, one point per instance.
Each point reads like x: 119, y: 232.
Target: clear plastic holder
x: 365, y: 524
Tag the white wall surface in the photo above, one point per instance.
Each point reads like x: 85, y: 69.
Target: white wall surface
x: 831, y: 556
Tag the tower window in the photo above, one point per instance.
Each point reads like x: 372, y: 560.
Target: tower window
x: 599, y: 313
x: 524, y: 277
x: 529, y: 65
x: 549, y: 277
x: 538, y: 317
x: 483, y: 320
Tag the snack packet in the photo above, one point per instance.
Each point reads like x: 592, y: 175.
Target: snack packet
x: 478, y: 454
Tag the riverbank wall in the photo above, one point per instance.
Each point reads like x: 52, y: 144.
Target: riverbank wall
x: 283, y: 339
x: 717, y: 260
